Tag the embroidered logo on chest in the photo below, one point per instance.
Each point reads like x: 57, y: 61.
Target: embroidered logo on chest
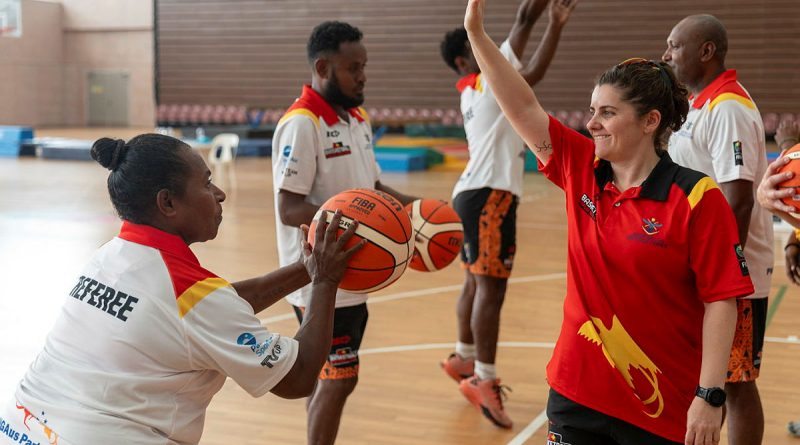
x: 338, y: 149
x: 651, y: 226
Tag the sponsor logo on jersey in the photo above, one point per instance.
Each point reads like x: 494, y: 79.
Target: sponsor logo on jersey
x: 738, y: 159
x: 647, y: 239
x: 588, y: 206
x: 333, y: 133
x: 737, y: 248
x: 273, y: 357
x: 287, y: 155
x: 248, y: 339
x: 468, y: 115
x: 343, y: 356
x: 338, y: 149
x: 554, y: 439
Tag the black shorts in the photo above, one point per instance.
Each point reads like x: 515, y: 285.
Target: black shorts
x: 489, y: 218
x: 574, y: 424
x: 349, y: 324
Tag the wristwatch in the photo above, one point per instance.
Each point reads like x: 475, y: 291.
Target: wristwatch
x: 714, y: 396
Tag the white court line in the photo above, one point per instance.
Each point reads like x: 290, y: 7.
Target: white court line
x: 450, y: 345
x: 429, y: 291
x: 530, y: 430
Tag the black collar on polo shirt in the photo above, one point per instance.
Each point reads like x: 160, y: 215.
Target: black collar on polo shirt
x: 658, y: 182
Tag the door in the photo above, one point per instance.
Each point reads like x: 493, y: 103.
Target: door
x: 108, y: 99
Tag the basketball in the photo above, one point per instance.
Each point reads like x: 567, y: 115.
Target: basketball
x: 793, y: 166
x: 438, y: 234
x: 384, y: 224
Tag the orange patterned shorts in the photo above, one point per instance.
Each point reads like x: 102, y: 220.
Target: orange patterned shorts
x: 489, y: 218
x: 349, y: 324
x: 748, y: 342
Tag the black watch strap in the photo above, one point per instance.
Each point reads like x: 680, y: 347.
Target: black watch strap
x: 714, y: 396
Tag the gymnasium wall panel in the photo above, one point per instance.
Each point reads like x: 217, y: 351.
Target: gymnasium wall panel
x: 252, y: 52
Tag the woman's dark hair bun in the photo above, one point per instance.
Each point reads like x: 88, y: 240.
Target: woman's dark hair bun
x: 109, y: 152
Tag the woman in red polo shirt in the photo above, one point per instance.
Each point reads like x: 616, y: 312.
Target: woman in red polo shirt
x: 654, y: 265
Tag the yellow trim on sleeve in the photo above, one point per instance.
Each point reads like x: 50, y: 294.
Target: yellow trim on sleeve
x: 190, y: 297
x: 797, y: 234
x: 304, y: 112
x: 478, y: 84
x: 700, y: 189
x: 731, y: 96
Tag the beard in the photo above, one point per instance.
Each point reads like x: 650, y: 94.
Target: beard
x: 334, y: 95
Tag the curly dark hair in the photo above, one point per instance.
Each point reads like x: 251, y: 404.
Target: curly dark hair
x: 651, y: 85
x: 327, y: 36
x: 454, y: 45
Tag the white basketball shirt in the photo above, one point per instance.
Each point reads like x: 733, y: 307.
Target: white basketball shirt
x: 144, y: 340
x: 496, y: 152
x: 723, y: 137
x: 317, y: 154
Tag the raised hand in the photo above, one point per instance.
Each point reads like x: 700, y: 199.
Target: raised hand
x: 787, y: 135
x: 560, y: 10
x: 473, y: 18
x: 327, y: 260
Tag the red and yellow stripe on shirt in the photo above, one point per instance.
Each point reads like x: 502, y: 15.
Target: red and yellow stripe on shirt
x: 313, y: 105
x: 725, y: 87
x: 190, y: 281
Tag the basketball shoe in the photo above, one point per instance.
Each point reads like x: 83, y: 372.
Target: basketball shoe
x: 457, y: 367
x: 487, y: 395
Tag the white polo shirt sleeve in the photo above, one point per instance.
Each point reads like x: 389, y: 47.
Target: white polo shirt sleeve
x: 297, y: 145
x: 224, y: 334
x: 733, y: 142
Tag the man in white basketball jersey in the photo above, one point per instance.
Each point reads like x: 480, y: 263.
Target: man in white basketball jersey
x: 723, y: 137
x: 486, y: 197
x: 323, y: 146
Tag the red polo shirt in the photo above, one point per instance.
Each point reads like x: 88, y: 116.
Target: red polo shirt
x: 640, y: 265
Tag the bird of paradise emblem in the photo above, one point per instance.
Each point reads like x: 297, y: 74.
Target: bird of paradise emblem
x: 626, y: 356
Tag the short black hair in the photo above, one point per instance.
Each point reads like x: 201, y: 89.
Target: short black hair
x: 454, y: 45
x: 141, y: 168
x: 327, y: 36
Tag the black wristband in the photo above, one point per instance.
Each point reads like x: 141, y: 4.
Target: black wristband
x: 790, y: 245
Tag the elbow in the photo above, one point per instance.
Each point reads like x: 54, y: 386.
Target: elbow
x: 286, y: 217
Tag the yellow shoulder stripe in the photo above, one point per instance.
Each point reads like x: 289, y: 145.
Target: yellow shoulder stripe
x: 731, y: 96
x: 190, y: 297
x: 364, y: 114
x: 478, y: 85
x: 700, y: 189
x: 304, y: 112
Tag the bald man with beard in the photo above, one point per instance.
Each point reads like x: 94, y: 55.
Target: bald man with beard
x: 723, y: 137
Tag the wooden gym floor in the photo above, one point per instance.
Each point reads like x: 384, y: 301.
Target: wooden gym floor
x: 54, y: 214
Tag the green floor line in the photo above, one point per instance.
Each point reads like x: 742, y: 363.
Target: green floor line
x: 775, y: 303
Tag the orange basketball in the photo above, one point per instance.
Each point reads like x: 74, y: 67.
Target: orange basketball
x: 793, y: 166
x: 384, y: 224
x: 438, y: 234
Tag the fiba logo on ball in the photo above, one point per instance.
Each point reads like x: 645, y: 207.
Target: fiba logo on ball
x: 438, y: 234
x: 386, y: 227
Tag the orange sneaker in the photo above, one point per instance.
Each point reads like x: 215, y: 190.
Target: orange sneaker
x: 457, y: 367
x: 487, y: 396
